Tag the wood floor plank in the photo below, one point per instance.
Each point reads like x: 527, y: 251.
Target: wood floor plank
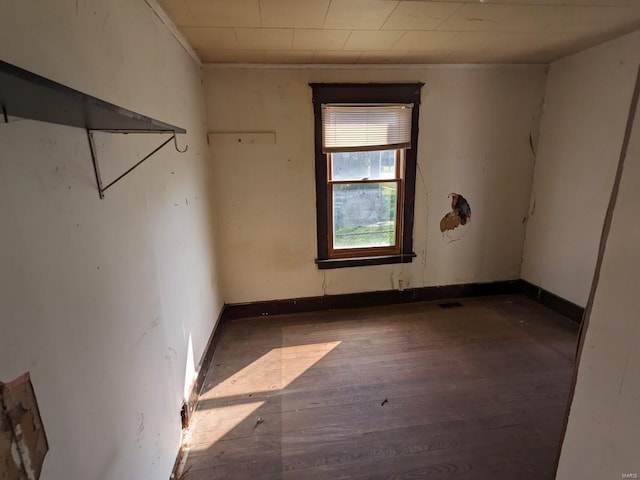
x: 401, y: 392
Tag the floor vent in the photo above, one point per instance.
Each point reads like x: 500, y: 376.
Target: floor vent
x: 449, y: 304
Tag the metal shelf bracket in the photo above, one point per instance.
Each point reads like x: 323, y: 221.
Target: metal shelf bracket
x: 96, y: 165
x: 26, y: 95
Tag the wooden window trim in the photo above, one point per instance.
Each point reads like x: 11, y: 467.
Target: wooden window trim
x: 365, y: 93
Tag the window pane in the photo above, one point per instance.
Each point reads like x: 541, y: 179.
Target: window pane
x: 378, y: 165
x: 364, y: 214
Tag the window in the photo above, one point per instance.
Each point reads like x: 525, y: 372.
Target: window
x: 366, y: 142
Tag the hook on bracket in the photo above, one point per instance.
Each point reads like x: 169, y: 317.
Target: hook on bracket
x: 175, y: 144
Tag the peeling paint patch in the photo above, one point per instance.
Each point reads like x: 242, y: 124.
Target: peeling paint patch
x: 460, y: 213
x: 23, y: 443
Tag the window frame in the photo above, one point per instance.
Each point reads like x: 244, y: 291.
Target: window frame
x: 365, y: 93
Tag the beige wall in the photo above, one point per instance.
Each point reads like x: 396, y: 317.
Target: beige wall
x: 108, y: 303
x: 585, y: 110
x: 474, y: 140
x: 603, y: 433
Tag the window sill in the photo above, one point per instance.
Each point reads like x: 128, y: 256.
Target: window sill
x: 364, y: 261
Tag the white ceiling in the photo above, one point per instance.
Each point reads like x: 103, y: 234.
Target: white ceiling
x: 391, y: 31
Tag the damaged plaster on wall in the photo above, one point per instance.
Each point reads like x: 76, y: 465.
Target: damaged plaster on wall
x: 458, y: 217
x: 23, y: 443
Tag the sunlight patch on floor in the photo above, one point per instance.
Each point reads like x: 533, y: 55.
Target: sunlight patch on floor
x: 222, y: 420
x: 272, y: 371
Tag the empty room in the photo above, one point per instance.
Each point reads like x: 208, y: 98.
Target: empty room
x: 319, y: 239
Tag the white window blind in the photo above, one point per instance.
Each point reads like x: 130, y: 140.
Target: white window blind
x: 366, y: 127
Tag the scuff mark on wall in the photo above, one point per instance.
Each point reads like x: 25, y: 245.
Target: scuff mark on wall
x: 534, y: 130
x: 140, y: 434
x: 533, y: 150
x: 426, y: 230
x: 460, y: 213
x: 532, y: 204
x: 326, y: 282
x: 398, y: 280
x: 23, y: 443
x: 153, y: 325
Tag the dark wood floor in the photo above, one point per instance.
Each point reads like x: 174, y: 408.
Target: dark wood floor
x: 406, y: 392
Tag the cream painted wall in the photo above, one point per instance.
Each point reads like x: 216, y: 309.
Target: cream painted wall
x: 603, y: 433
x: 585, y: 110
x: 474, y: 140
x: 108, y: 303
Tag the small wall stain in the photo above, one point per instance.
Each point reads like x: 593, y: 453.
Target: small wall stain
x: 460, y: 213
x: 140, y: 429
x: 151, y: 326
x: 533, y: 150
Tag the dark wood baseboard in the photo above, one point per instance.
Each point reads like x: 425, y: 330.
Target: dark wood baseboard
x: 390, y: 297
x: 550, y: 300
x: 367, y: 299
